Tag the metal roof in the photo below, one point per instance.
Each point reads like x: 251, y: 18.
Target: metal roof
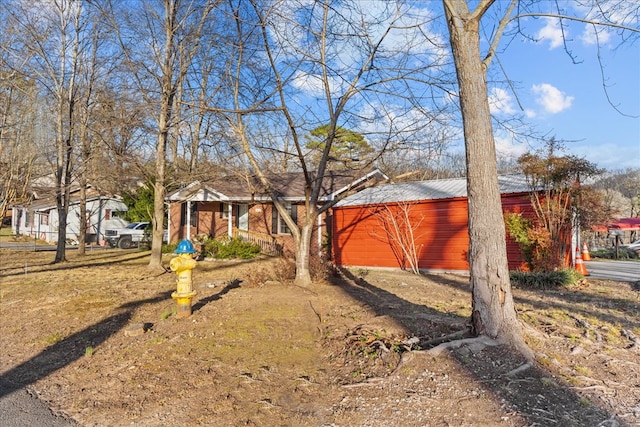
x: 428, y: 190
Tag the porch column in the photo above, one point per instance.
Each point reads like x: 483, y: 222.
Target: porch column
x: 230, y: 220
x: 188, y: 236
x: 168, y: 223
x: 319, y: 233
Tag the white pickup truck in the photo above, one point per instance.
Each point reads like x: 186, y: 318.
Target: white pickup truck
x: 129, y: 236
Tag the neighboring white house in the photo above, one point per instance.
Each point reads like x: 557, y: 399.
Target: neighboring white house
x: 40, y: 219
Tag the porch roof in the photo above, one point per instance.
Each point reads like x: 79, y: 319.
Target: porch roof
x: 289, y: 186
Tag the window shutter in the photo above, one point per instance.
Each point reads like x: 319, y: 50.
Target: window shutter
x: 221, y: 210
x: 294, y: 213
x: 183, y: 213
x: 274, y: 219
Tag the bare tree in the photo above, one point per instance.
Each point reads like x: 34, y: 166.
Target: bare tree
x: 627, y: 184
x: 18, y: 151
x: 46, y: 45
x: 158, y: 55
x: 401, y: 226
x: 493, y: 309
x: 92, y: 73
x: 326, y: 65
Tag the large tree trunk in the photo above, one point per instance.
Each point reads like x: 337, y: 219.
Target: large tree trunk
x: 159, y: 192
x: 166, y: 109
x: 303, y: 254
x: 494, y: 313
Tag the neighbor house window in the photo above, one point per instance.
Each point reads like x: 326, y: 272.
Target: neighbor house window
x: 107, y: 214
x: 278, y: 225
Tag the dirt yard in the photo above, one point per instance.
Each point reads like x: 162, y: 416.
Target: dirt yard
x: 98, y: 339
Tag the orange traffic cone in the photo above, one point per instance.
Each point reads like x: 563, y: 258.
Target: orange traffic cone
x: 586, y: 256
x: 579, y: 264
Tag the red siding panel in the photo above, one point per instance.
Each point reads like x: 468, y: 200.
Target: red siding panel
x: 360, y: 239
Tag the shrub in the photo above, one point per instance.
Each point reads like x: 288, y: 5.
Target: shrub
x: 610, y: 253
x: 544, y: 279
x: 169, y: 248
x: 283, y: 270
x: 230, y: 248
x: 320, y: 268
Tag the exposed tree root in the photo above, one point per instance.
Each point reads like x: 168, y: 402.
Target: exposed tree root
x: 446, y: 338
x: 635, y: 342
x: 587, y: 328
x: 477, y: 343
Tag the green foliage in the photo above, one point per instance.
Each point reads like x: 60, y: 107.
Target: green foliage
x: 533, y: 240
x: 140, y: 203
x: 230, y: 248
x: 169, y: 248
x: 556, y: 192
x: 347, y: 147
x: 610, y: 253
x: 544, y: 279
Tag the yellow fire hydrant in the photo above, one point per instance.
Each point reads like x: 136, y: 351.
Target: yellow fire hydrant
x: 182, y: 265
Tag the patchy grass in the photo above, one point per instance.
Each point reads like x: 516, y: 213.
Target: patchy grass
x: 260, y: 351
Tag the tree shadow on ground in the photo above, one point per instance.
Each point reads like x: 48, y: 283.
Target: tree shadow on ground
x: 69, y: 349
x: 50, y: 266
x: 204, y: 301
x: 571, y: 301
x: 529, y: 390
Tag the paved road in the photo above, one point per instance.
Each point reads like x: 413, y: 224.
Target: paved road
x: 21, y: 409
x: 624, y: 271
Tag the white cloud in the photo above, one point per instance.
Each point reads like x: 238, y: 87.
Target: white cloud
x: 313, y: 85
x: 506, y: 148
x: 403, y: 33
x: 551, y: 98
x: 552, y: 33
x: 500, y: 101
x: 588, y: 36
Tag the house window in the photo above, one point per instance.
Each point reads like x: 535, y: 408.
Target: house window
x: 278, y: 226
x: 224, y: 210
x: 107, y: 214
x: 27, y: 218
x: 194, y: 215
x: 44, y: 219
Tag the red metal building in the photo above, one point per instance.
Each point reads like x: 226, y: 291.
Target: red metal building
x: 436, y: 209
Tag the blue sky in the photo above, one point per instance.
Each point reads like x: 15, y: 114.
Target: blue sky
x: 567, y: 100
x: 550, y: 93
